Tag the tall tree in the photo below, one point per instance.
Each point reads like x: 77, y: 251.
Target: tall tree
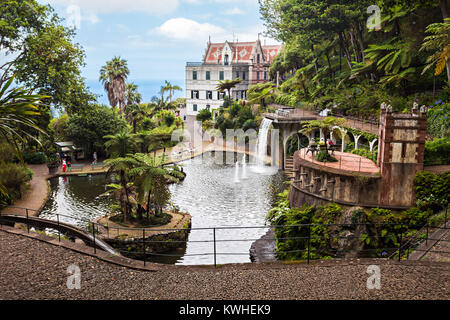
x: 41, y: 53
x: 113, y: 76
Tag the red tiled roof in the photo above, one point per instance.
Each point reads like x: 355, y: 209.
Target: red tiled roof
x: 241, y: 52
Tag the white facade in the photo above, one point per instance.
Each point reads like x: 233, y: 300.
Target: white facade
x: 248, y: 61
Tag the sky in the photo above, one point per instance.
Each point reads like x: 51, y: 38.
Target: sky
x: 156, y: 37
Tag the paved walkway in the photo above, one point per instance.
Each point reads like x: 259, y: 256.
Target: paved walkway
x: 36, y: 197
x: 32, y: 269
x: 347, y: 162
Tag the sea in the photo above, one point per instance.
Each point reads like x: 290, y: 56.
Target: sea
x: 147, y: 88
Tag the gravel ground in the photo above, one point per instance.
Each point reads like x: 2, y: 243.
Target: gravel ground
x: 31, y: 269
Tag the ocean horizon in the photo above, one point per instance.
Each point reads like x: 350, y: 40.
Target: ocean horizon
x: 147, y: 88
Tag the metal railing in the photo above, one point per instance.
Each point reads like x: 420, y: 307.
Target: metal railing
x: 400, y: 249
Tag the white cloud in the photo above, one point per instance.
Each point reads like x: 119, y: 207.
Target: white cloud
x: 187, y: 29
x: 234, y: 11
x: 116, y: 6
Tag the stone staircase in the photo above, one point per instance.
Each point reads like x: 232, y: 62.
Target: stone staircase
x: 289, y: 166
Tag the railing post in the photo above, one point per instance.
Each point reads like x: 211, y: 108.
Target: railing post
x: 93, y: 234
x: 214, y: 237
x: 28, y: 223
x: 59, y: 231
x: 400, y: 243
x: 445, y: 223
x: 143, y: 244
x: 309, y: 242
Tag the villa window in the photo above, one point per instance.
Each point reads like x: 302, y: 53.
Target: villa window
x: 243, y: 75
x: 194, y: 75
x: 265, y: 75
x: 221, y: 75
x: 208, y: 107
x: 257, y: 58
x: 226, y: 60
x: 209, y: 95
x: 194, y: 94
x: 194, y: 107
x: 208, y: 75
x: 257, y: 75
x: 237, y: 74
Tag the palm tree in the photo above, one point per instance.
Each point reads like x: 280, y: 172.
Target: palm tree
x: 113, y: 76
x: 121, y: 144
x: 152, y: 178
x: 122, y: 166
x: 17, y: 108
x: 261, y: 93
x: 134, y: 113
x: 132, y: 96
x: 227, y: 85
x: 439, y: 42
x: 171, y: 89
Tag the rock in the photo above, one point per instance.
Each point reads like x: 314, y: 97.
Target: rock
x: 349, y: 244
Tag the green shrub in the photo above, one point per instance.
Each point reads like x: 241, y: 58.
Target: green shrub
x: 366, y: 153
x: 432, y: 191
x: 324, y: 156
x: 34, y: 157
x: 437, y: 152
x: 438, y: 120
x: 15, y: 178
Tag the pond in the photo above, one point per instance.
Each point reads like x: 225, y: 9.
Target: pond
x: 212, y: 193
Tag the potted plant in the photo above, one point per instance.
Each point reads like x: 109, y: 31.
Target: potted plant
x: 52, y: 164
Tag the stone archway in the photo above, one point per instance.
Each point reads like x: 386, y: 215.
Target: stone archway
x: 296, y: 142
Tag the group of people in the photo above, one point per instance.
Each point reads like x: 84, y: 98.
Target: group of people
x: 66, y: 159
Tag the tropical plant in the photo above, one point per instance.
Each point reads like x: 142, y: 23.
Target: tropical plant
x: 17, y: 108
x: 170, y: 89
x: 121, y: 166
x: 132, y: 96
x: 113, y: 76
x: 439, y: 42
x: 227, y: 85
x: 120, y: 144
x: 261, y: 93
x: 151, y: 178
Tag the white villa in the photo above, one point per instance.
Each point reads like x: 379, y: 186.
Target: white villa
x: 248, y: 61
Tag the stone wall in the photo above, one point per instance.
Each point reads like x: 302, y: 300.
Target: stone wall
x: 314, y: 185
x: 401, y: 154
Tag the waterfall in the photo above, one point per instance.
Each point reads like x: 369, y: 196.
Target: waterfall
x: 236, y: 172
x: 244, y: 167
x: 261, y: 145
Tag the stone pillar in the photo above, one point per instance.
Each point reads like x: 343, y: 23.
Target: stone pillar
x: 400, y: 154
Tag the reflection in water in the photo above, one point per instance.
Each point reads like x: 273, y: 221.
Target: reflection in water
x: 209, y: 194
x: 77, y: 197
x: 213, y: 198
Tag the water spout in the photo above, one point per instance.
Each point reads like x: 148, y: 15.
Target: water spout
x: 261, y: 146
x: 236, y: 172
x: 244, y: 167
